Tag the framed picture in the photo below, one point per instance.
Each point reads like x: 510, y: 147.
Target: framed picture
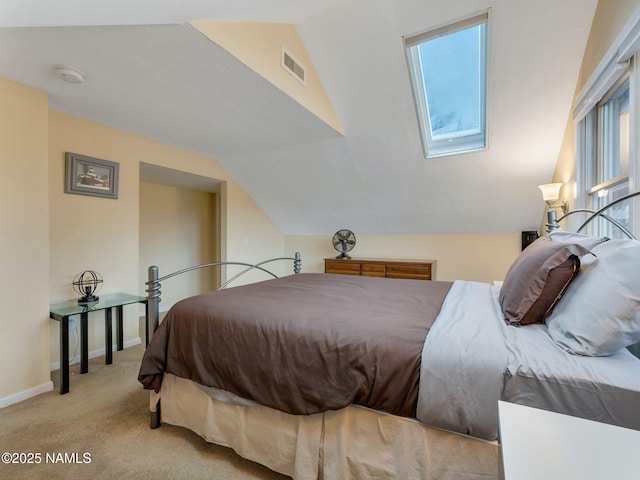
x: 90, y: 176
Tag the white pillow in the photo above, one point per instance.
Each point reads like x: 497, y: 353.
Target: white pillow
x: 560, y: 236
x: 599, y: 313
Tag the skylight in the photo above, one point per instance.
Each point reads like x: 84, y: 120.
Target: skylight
x: 448, y: 69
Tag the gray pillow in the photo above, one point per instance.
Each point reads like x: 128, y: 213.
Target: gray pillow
x: 537, y: 279
x: 600, y: 311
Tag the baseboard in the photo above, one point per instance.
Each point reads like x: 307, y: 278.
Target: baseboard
x: 31, y: 392
x: 48, y: 386
x: 98, y: 353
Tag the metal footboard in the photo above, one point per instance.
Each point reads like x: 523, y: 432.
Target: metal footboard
x: 153, y: 295
x: 153, y: 284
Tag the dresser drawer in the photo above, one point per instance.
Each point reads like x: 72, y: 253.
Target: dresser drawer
x: 408, y: 276
x: 342, y: 268
x: 411, y: 269
x: 412, y: 272
x: 372, y: 268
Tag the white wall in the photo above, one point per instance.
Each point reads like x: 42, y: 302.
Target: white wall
x: 259, y: 46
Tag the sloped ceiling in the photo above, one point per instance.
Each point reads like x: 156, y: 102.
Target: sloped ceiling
x: 149, y: 72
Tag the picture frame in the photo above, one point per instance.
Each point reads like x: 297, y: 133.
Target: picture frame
x: 90, y: 176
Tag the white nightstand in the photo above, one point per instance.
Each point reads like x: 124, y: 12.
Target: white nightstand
x: 541, y: 445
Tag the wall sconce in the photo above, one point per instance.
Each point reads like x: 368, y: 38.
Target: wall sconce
x: 551, y: 193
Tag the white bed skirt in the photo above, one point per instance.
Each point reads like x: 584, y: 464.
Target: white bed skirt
x: 351, y: 443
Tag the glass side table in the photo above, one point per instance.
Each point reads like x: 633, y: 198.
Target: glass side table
x: 63, y: 310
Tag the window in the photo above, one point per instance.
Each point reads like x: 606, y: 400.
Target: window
x: 448, y: 69
x: 607, y: 115
x: 606, y: 140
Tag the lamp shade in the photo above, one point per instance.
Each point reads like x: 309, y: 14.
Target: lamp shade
x: 550, y: 191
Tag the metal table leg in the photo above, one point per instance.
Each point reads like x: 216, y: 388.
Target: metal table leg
x: 64, y: 355
x: 108, y: 337
x: 119, y: 317
x: 146, y: 323
x: 84, y: 342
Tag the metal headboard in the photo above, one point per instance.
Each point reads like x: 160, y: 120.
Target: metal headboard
x: 552, y: 220
x: 153, y: 284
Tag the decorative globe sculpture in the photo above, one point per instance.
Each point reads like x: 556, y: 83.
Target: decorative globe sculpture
x: 87, y: 284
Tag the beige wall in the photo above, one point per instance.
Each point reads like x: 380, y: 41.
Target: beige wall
x: 103, y: 234
x: 24, y: 242
x: 48, y: 236
x: 482, y: 258
x: 610, y: 17
x: 178, y: 230
x: 92, y: 233
x: 245, y: 231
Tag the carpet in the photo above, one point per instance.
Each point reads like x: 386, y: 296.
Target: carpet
x: 100, y: 430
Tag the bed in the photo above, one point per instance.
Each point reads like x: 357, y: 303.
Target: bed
x: 328, y: 376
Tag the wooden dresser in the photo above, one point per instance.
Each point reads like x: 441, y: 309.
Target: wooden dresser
x: 379, y: 267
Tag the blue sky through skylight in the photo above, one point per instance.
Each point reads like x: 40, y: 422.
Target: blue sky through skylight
x: 451, y: 68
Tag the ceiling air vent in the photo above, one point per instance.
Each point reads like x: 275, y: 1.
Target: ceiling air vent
x: 294, y: 67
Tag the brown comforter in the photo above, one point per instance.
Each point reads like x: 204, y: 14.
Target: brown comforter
x: 302, y: 344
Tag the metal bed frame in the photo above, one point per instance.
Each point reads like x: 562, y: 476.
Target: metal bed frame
x: 552, y: 220
x: 154, y: 285
x: 154, y: 294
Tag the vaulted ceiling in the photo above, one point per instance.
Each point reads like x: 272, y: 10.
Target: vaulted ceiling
x: 151, y: 73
